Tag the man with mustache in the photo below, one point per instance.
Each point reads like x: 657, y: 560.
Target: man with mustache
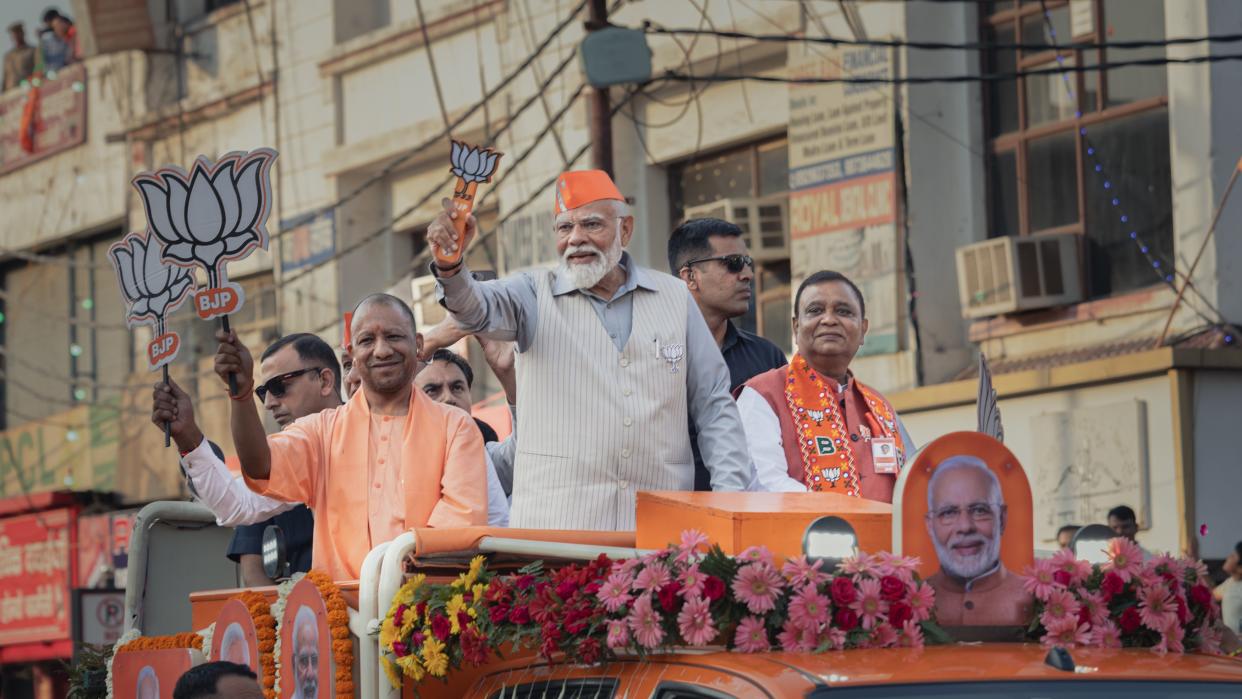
x: 305, y: 655
x: 966, y: 516
x: 612, y: 357
x: 387, y: 461
x: 710, y: 256
x: 812, y: 425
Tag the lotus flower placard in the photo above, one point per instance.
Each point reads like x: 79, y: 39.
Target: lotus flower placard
x: 472, y: 165
x: 152, y: 289
x: 209, y: 216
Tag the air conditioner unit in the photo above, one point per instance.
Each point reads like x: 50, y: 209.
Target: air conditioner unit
x: 764, y: 222
x: 1013, y: 274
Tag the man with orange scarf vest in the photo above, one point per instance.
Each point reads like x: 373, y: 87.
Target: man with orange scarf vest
x: 811, y: 425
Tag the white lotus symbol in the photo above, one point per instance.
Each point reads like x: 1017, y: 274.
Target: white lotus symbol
x: 215, y: 213
x: 151, y: 288
x: 471, y: 163
x: 832, y: 474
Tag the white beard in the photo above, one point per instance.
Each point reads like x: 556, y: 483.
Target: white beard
x: 968, y: 567
x: 587, y: 275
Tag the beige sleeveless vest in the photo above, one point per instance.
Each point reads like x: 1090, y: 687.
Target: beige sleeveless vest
x: 597, y: 425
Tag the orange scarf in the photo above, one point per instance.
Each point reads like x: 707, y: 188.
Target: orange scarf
x: 827, y: 459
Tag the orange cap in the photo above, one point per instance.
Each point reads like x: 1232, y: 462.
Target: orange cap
x: 581, y: 187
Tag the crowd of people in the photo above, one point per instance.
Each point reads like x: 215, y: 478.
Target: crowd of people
x: 619, y: 378
x: 56, y: 47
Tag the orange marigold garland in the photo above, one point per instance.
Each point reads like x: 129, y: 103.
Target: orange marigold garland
x: 338, y: 626
x: 189, y: 639
x: 265, y: 630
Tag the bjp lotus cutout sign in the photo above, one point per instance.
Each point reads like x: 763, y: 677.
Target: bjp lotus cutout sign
x: 209, y: 216
x: 472, y: 165
x: 152, y: 290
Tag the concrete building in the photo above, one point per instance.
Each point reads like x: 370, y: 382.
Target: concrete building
x: 885, y: 182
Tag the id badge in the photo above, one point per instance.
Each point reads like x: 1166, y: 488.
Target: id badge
x: 884, y: 455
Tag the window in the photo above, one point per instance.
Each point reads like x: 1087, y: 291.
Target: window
x: 586, y: 688
x: 681, y: 690
x: 1064, y: 147
x: 353, y: 18
x: 750, y: 187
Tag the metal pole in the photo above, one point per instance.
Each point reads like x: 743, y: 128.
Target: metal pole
x: 601, y: 110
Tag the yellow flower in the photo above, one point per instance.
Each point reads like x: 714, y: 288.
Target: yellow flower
x: 411, y: 667
x: 478, y: 591
x: 394, y: 675
x: 388, y: 632
x: 408, y: 620
x: 456, y: 604
x: 434, y: 657
x: 406, y: 594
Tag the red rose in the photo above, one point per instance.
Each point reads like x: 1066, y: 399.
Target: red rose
x: 524, y: 582
x: 589, y: 651
x: 843, y: 592
x: 1201, y: 595
x: 463, y: 620
x: 1062, y: 577
x: 566, y: 589
x: 668, y: 595
x: 1112, y: 585
x: 1130, y: 621
x: 399, y: 615
x: 899, y: 613
x: 1084, y: 615
x: 519, y: 615
x: 892, y: 588
x: 1183, y: 614
x: 440, y: 627
x: 845, y: 618
x: 420, y: 609
x: 498, y: 613
x: 713, y: 588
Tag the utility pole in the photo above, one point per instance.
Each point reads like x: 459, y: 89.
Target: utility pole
x: 601, y: 109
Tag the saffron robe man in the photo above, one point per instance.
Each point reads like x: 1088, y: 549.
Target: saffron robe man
x: 612, y: 358
x: 389, y: 460
x: 813, y: 426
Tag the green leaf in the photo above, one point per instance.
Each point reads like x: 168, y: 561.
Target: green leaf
x: 934, y: 634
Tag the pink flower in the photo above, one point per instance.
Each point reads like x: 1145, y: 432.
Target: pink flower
x: 911, y: 635
x: 905, y: 567
x: 834, y: 637
x: 618, y: 633
x: 1125, y: 558
x: 1066, y: 562
x: 1199, y: 568
x: 756, y: 554
x: 1156, y: 607
x: 626, y: 566
x: 1105, y: 635
x: 1209, y: 639
x: 882, y: 563
x: 1040, y: 580
x: 1059, y: 605
x: 799, y: 572
x: 615, y: 592
x: 757, y: 585
x: 1066, y: 632
x: 869, y: 605
x: 691, y: 540
x: 808, y: 608
x: 645, y: 623
x: 691, y: 582
x: 1094, y: 606
x: 858, y: 565
x: 694, y: 622
x: 653, y: 577
x: 883, y: 636
x: 1171, y: 639
x: 751, y: 636
x: 796, y: 639
x: 922, y: 601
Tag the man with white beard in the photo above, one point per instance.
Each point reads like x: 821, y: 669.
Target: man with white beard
x: 966, y: 516
x: 611, y: 359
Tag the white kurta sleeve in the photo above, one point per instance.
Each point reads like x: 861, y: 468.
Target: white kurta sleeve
x: 226, y: 495
x: 497, y: 503
x: 767, y: 453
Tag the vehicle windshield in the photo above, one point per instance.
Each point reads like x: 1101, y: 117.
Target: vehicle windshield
x: 1064, y: 689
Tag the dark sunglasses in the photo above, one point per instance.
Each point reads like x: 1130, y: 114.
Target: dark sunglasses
x: 276, y: 385
x: 733, y: 263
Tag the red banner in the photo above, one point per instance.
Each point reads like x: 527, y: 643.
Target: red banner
x: 34, y: 577
x: 58, y: 118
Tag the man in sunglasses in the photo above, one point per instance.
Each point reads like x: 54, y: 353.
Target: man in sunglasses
x: 613, y: 357
x: 301, y: 377
x: 710, y: 256
x: 389, y: 460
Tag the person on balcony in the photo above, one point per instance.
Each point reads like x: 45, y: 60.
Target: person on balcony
x: 612, y: 359
x: 387, y: 461
x: 19, y: 61
x: 58, y: 41
x: 812, y: 425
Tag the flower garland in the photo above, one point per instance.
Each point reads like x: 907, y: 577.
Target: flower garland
x: 265, y: 630
x: 207, y: 634
x: 278, y: 612
x: 189, y: 639
x: 338, y: 627
x: 684, y: 595
x: 1165, y: 603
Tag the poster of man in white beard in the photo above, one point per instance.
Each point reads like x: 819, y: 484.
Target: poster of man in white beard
x: 966, y: 518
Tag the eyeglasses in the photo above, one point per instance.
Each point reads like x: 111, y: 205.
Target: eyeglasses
x: 733, y: 263
x: 307, y: 660
x: 276, y: 385
x: 978, y: 512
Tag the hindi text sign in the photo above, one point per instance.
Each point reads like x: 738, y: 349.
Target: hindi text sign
x: 34, y: 577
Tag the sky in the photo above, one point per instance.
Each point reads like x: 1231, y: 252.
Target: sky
x: 28, y: 11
